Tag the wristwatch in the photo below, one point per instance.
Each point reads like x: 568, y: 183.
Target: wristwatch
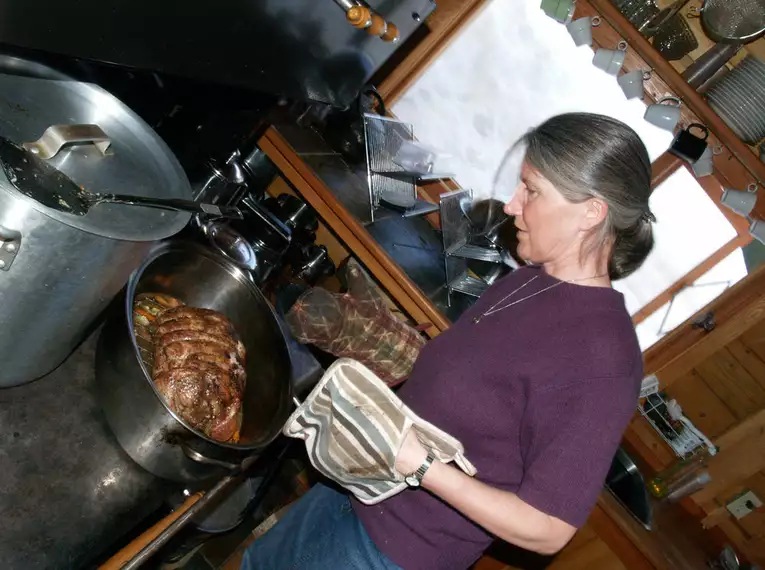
x: 415, y: 479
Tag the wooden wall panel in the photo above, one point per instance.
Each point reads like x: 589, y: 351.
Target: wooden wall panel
x: 754, y: 339
x: 732, y: 383
x: 704, y: 408
x: 750, y: 360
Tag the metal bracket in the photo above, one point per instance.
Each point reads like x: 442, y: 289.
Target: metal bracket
x: 10, y: 243
x: 706, y: 322
x: 56, y: 137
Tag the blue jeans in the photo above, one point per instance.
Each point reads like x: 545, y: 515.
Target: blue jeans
x: 320, y: 532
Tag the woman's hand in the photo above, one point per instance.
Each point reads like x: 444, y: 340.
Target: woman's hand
x: 411, y: 455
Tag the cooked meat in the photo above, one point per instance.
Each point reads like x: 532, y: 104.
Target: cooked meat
x: 199, y: 368
x: 192, y: 324
x: 205, y: 397
x: 195, y: 313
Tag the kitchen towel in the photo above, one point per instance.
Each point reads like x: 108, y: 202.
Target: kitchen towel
x: 353, y: 426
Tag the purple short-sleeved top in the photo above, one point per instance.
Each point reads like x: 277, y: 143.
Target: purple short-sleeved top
x: 538, y: 393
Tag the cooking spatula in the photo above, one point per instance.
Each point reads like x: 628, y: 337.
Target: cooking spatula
x: 40, y: 181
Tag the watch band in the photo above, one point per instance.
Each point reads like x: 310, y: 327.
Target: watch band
x: 415, y: 479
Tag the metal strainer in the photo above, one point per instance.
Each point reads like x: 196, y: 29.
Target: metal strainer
x: 733, y: 21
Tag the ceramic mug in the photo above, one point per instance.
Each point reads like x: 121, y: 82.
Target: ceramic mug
x: 757, y: 229
x: 740, y: 201
x: 664, y: 116
x: 560, y: 10
x: 632, y: 83
x: 581, y: 30
x: 610, y: 60
x: 705, y: 165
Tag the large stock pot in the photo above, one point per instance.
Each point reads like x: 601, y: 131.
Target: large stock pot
x: 59, y: 271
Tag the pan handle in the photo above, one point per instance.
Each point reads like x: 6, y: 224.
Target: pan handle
x: 56, y: 137
x: 199, y: 458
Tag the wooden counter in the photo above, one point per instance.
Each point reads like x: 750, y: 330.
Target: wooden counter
x: 354, y: 236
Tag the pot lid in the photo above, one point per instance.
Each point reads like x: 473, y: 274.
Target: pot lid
x: 138, y: 162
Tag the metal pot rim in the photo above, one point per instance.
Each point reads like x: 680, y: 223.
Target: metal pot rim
x: 236, y: 273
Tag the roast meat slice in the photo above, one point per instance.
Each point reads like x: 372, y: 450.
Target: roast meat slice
x: 199, y: 368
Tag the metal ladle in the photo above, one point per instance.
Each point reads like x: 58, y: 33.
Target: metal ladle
x: 37, y: 179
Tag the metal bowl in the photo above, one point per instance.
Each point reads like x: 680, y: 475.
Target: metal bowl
x: 149, y: 431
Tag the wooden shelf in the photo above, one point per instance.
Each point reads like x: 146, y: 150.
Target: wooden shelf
x: 695, y: 102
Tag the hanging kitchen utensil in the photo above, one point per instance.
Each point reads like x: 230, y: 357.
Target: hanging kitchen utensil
x: 688, y: 146
x: 652, y: 26
x: 638, y: 12
x: 37, y: 179
x: 736, y: 22
x: 675, y: 39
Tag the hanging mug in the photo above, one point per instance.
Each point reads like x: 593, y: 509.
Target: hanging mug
x: 581, y: 30
x: 610, y: 60
x: 688, y: 146
x: 705, y: 165
x: 664, y: 116
x: 632, y: 83
x: 560, y: 10
x: 740, y: 201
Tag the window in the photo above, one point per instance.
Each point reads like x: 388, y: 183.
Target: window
x: 689, y: 228
x: 692, y: 299
x: 510, y: 69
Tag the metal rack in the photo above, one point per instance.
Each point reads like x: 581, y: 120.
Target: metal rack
x: 388, y: 182
x: 455, y: 230
x: 682, y: 441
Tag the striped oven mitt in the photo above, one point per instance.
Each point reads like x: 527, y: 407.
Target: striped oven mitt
x: 353, y: 426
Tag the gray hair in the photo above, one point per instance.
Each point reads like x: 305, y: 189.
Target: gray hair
x: 593, y: 156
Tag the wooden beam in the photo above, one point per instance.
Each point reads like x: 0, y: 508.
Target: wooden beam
x: 664, y: 167
x: 685, y: 92
x: 352, y: 233
x: 737, y: 462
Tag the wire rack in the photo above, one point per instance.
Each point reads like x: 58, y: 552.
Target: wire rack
x: 682, y: 441
x: 455, y: 230
x: 387, y: 180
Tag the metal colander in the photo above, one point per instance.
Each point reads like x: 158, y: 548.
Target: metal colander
x: 734, y: 21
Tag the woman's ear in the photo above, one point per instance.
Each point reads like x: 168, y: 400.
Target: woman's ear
x: 594, y: 214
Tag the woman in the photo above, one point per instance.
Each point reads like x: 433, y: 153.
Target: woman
x: 538, y: 379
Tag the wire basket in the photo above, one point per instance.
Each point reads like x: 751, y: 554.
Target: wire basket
x: 384, y: 137
x: 683, y: 441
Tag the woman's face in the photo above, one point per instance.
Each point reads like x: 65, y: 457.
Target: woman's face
x: 550, y: 228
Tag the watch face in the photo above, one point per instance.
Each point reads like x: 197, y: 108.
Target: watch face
x: 412, y: 481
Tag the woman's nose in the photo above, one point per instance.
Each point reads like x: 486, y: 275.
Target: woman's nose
x: 514, y: 207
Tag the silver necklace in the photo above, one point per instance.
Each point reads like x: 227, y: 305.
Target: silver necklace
x: 494, y: 309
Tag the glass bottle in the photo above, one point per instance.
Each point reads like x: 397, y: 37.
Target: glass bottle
x: 665, y: 481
